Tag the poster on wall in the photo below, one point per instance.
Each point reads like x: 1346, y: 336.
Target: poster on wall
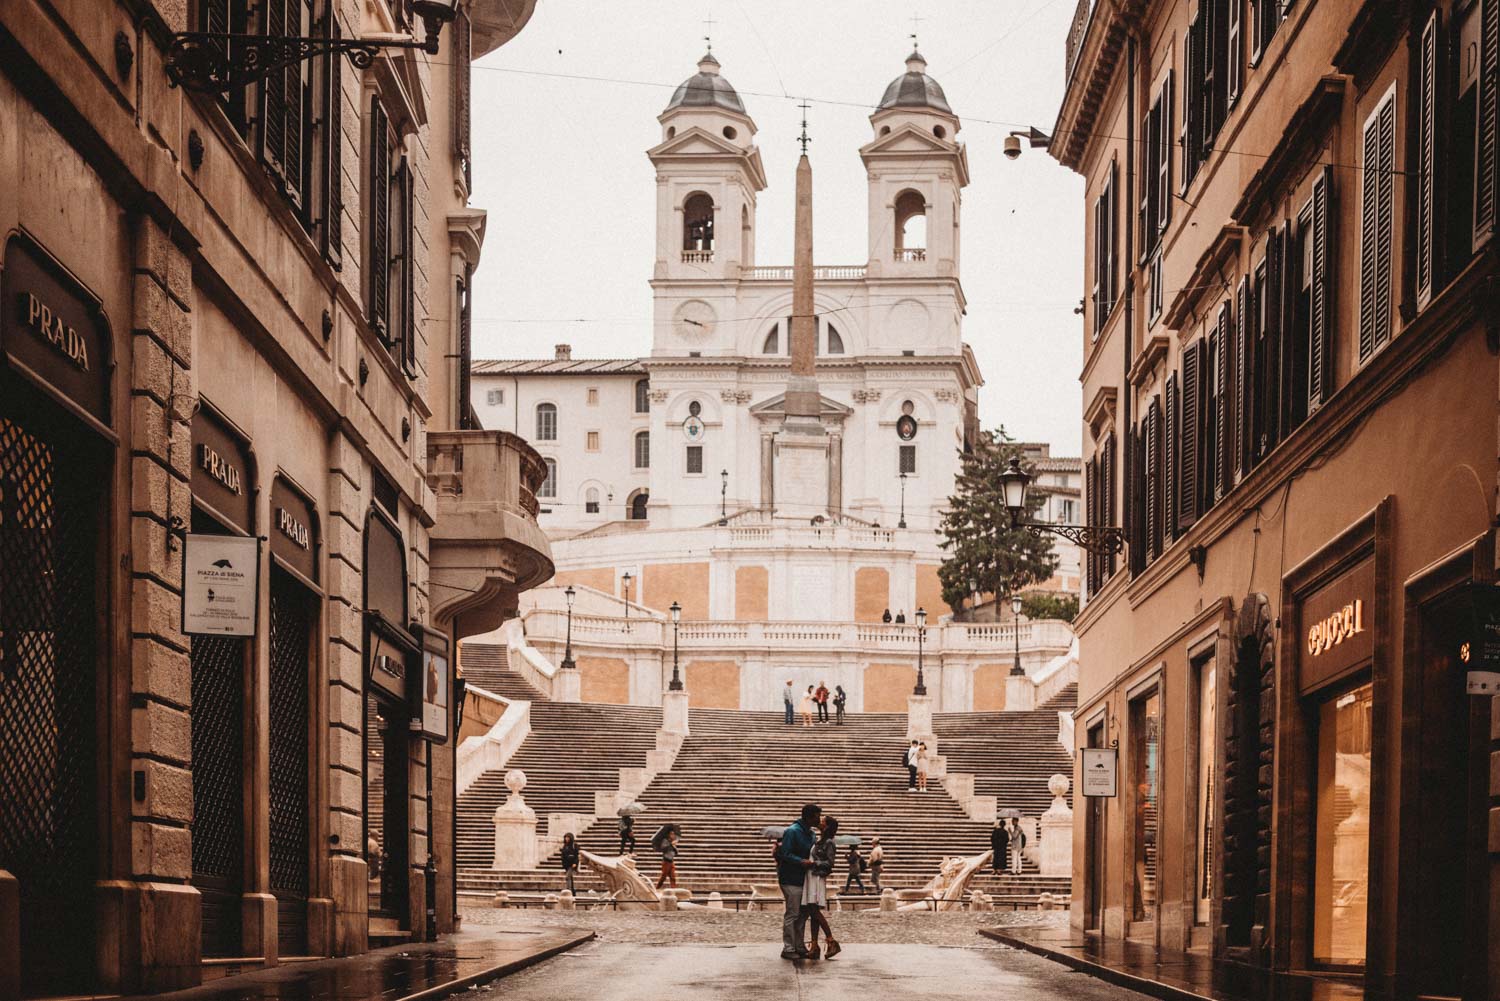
x: 435, y: 680
x: 1099, y: 771
x: 1479, y: 652
x: 219, y: 592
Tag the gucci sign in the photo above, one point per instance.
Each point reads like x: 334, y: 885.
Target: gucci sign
x: 1328, y: 633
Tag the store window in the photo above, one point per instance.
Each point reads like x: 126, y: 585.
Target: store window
x: 1207, y: 833
x: 1341, y: 849
x: 1145, y: 739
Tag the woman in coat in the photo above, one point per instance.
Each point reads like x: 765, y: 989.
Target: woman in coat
x: 569, y: 857
x: 1000, y: 848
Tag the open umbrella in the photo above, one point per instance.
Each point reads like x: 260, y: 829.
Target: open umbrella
x: 845, y: 840
x: 632, y: 809
x: 1008, y: 814
x: 772, y: 833
x: 660, y: 837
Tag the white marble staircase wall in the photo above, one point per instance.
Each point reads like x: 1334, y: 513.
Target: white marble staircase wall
x: 490, y: 751
x: 526, y: 660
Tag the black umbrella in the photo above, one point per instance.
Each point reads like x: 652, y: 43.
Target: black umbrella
x: 660, y: 837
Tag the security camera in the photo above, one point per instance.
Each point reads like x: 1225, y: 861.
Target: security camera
x: 1012, y: 147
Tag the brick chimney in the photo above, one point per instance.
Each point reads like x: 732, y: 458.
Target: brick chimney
x: 564, y: 352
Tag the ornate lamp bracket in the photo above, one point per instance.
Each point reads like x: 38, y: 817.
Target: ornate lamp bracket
x: 1101, y: 541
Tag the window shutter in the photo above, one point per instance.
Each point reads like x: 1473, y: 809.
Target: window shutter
x: 408, y: 289
x: 298, y: 112
x: 1153, y: 477
x: 1486, y: 160
x: 273, y: 96
x: 1108, y: 505
x: 1320, y: 348
x: 1187, y: 478
x: 1276, y: 378
x: 466, y: 349
x: 1235, y: 51
x: 1111, y: 267
x: 1091, y: 518
x: 1135, y: 508
x: 1171, y: 447
x: 1244, y: 306
x: 1164, y: 159
x: 1377, y: 232
x: 331, y: 232
x: 1189, y: 105
x: 1223, y: 335
x: 378, y: 223
x: 462, y: 90
x: 1146, y: 219
x: 1426, y: 156
x: 1385, y: 224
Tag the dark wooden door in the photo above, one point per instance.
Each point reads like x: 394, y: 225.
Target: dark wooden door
x: 292, y: 609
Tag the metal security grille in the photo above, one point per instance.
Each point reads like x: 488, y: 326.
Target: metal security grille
x: 291, y: 637
x: 48, y: 539
x: 218, y: 691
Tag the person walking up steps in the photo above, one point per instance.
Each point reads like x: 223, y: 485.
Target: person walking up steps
x: 877, y: 862
x: 815, y: 888
x: 789, y: 696
x: 806, y: 708
x: 1000, y: 848
x: 911, y: 767
x: 840, y: 699
x: 1017, y: 845
x: 856, y: 863
x: 821, y: 698
x: 793, y: 860
x: 627, y: 834
x: 924, y: 762
x: 668, y: 861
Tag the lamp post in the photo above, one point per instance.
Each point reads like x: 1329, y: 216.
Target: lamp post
x: 676, y: 683
x: 567, y: 661
x: 1101, y: 540
x: 921, y: 687
x: 973, y: 600
x: 213, y: 62
x: 625, y: 583
x: 1015, y: 624
x: 724, y: 497
x: 902, y: 522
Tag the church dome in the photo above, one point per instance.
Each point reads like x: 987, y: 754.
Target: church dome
x: 707, y: 89
x: 915, y: 89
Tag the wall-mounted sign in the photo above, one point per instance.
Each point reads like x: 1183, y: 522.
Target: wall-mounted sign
x: 219, y: 590
x: 221, y: 470
x: 906, y: 427
x: 294, y: 529
x: 435, y: 683
x: 1479, y: 651
x: 1337, y: 628
x: 54, y: 328
x: 1100, y: 771
x: 693, y: 429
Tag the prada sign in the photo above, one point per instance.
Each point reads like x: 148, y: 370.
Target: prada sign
x: 294, y: 529
x: 221, y: 470
x: 54, y: 329
x: 1336, y: 631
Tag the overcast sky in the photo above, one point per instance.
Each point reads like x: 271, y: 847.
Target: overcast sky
x: 563, y: 115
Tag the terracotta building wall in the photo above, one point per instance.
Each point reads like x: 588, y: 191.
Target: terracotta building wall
x: 684, y: 583
x: 872, y: 593
x: 929, y: 593
x: 713, y: 684
x: 887, y: 687
x: 604, y: 679
x: 989, y: 687
x: 598, y: 578
x: 751, y: 593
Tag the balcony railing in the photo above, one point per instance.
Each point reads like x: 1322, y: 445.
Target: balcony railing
x: 485, y: 468
x: 911, y: 254
x: 829, y: 273
x: 697, y: 257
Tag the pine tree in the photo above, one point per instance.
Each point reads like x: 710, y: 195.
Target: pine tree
x: 980, y: 543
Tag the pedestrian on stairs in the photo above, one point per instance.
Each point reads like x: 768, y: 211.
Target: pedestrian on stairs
x: 821, y: 698
x: 924, y: 762
x: 668, y: 861
x: 840, y: 699
x: 1000, y: 848
x: 793, y: 860
x: 911, y: 767
x: 806, y: 708
x: 877, y: 862
x: 1017, y: 845
x: 856, y: 863
x: 569, y: 858
x: 815, y: 889
x: 789, y: 696
x: 627, y: 834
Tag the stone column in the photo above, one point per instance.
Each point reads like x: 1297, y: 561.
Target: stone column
x: 1020, y: 693
x: 835, y: 475
x: 919, y: 720
x: 674, y: 712
x: 515, y: 827
x: 1056, y: 830
x: 567, y: 685
x: 767, y: 474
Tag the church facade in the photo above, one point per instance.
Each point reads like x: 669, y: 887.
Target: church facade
x: 784, y: 453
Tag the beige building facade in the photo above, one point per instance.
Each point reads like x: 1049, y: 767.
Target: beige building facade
x: 242, y: 494
x: 1289, y: 384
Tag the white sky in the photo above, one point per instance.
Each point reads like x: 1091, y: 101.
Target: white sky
x: 560, y: 164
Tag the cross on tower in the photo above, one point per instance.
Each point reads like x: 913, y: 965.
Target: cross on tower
x: 916, y: 22
x: 803, y: 138
x: 709, y: 23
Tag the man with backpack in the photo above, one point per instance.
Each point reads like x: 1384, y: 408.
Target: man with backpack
x: 909, y: 758
x: 856, y: 863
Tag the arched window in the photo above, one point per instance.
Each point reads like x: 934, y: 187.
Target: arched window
x: 911, y: 226
x: 591, y: 501
x: 546, y: 422
x: 773, y: 341
x: 698, y: 223
x: 835, y: 342
x: 549, y: 485
x: 643, y: 450
x: 643, y: 396
x: 638, y: 502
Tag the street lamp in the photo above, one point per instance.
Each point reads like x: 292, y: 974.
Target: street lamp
x: 724, y: 497
x: 973, y: 600
x: 1015, y: 625
x: 1101, y: 540
x: 214, y: 62
x: 902, y: 522
x: 625, y: 583
x: 567, y: 661
x: 676, y: 683
x: 921, y: 688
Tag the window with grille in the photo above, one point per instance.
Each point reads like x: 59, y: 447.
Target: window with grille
x: 643, y: 450
x: 1377, y: 230
x: 591, y: 441
x: 694, y: 459
x: 548, y: 488
x: 494, y: 397
x: 643, y: 396
x: 546, y: 422
x: 907, y: 460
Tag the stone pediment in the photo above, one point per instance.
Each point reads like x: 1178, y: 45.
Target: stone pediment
x: 699, y: 144
x: 774, y: 409
x: 908, y: 141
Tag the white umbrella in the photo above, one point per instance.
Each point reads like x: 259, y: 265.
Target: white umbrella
x: 632, y: 809
x: 772, y: 833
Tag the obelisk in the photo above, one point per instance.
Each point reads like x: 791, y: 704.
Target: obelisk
x: 802, y: 402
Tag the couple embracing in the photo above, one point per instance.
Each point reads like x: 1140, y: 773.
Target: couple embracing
x: 804, y: 861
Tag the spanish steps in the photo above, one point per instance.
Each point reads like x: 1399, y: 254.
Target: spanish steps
x: 741, y: 771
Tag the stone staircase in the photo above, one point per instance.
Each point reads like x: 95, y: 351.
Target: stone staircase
x: 740, y: 771
x: 487, y: 666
